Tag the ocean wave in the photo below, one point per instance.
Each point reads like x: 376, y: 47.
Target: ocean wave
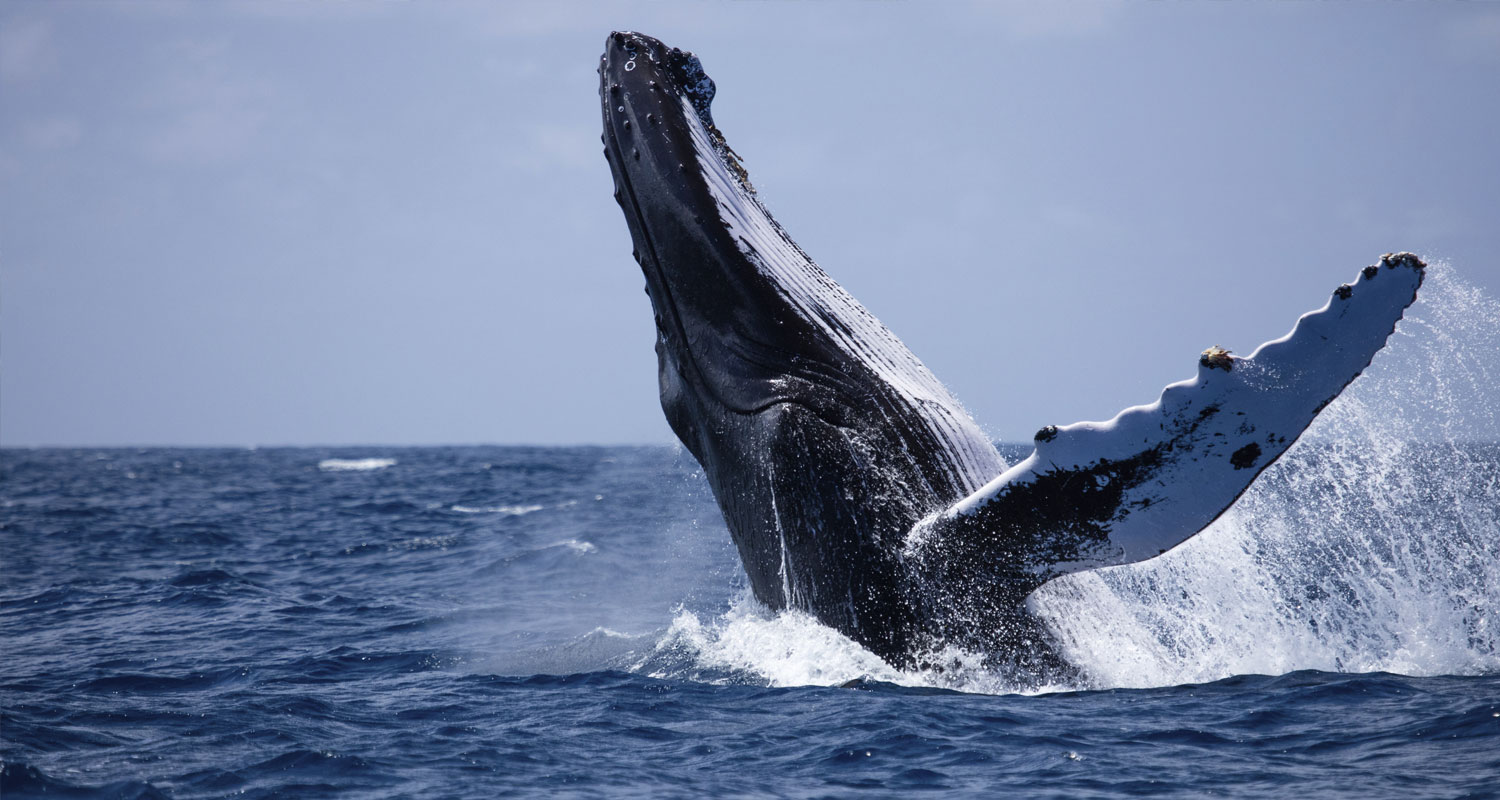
x: 354, y: 464
x: 24, y: 780
x: 600, y: 651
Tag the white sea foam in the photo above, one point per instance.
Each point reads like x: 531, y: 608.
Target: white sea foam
x: 575, y: 545
x: 354, y: 464
x: 427, y: 543
x: 511, y: 511
x: 790, y: 648
x: 750, y: 643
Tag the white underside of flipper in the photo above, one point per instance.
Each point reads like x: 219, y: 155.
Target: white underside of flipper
x: 1185, y: 458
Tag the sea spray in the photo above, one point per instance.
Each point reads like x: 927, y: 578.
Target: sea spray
x: 1371, y: 546
x: 751, y: 644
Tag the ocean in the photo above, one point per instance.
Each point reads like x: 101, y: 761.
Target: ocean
x: 573, y: 622
x: 484, y: 621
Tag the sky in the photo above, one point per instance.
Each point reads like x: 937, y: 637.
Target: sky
x: 391, y: 223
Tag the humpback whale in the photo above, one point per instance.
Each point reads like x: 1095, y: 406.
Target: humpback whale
x: 854, y: 485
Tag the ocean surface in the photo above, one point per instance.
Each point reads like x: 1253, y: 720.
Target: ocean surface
x: 470, y: 622
x: 511, y: 621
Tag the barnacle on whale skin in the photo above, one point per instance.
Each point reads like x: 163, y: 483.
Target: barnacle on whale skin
x: 1217, y: 357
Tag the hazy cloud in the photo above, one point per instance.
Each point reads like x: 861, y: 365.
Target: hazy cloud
x: 1069, y: 18
x: 54, y: 133
x: 1074, y: 219
x: 527, y: 20
x: 26, y: 51
x: 205, y: 114
x: 1477, y: 37
x: 549, y: 146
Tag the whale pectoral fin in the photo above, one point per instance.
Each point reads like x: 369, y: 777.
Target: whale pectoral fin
x: 1094, y: 494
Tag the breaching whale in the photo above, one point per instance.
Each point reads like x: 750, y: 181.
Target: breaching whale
x: 854, y: 486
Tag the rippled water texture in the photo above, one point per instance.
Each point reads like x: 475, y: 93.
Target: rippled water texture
x: 476, y: 622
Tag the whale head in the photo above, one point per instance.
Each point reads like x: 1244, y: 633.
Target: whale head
x: 728, y: 338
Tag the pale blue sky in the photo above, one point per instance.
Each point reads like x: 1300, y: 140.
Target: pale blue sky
x: 288, y: 223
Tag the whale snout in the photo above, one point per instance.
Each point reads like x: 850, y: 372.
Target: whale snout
x: 632, y: 91
x: 634, y: 62
x: 625, y: 52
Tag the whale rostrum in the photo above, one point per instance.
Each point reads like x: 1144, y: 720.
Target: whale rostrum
x: 854, y: 485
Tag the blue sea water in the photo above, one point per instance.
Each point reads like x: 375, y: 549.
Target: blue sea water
x: 507, y: 621
x: 475, y: 622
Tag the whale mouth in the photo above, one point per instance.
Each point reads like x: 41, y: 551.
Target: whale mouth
x: 631, y: 69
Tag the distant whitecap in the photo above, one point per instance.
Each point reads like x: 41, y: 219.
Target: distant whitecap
x: 575, y: 545
x: 514, y: 511
x: 354, y: 464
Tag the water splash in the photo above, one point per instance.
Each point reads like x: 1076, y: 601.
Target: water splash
x: 751, y: 644
x: 748, y: 643
x: 1370, y: 546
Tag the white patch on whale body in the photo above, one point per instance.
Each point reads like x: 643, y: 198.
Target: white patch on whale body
x: 827, y: 305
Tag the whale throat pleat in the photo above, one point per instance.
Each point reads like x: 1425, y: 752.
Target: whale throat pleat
x: 972, y: 459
